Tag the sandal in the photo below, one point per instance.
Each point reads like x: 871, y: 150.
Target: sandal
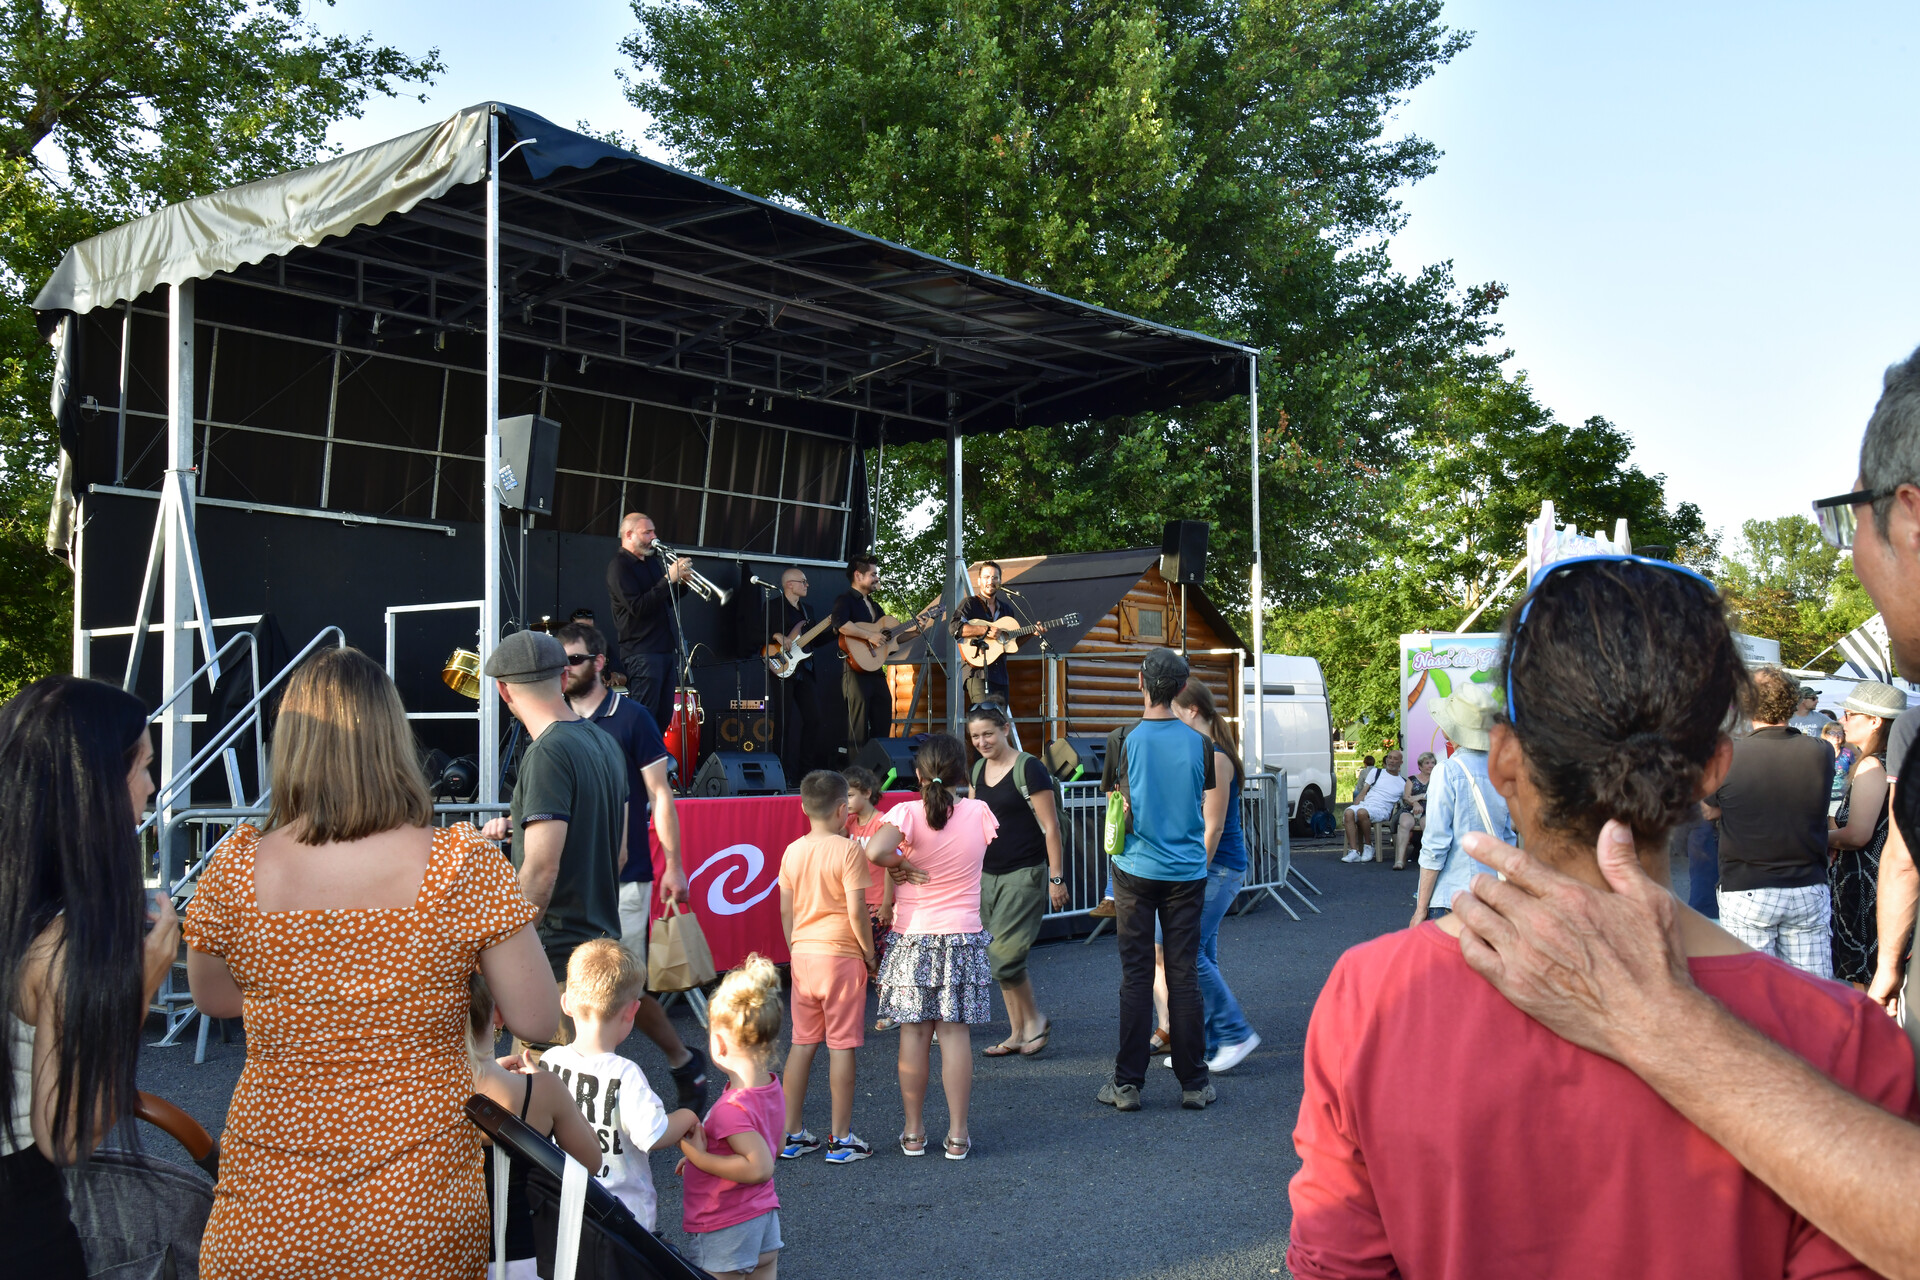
x: 964, y: 1148
x: 1033, y: 1047
x: 917, y: 1150
x: 1161, y: 1043
x: 1002, y: 1050
x: 884, y: 1024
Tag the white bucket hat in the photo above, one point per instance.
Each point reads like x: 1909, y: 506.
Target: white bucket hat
x: 1466, y: 715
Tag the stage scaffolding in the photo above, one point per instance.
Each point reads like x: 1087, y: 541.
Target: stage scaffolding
x: 389, y: 306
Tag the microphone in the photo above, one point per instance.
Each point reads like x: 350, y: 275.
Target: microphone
x: 758, y: 581
x: 1009, y: 591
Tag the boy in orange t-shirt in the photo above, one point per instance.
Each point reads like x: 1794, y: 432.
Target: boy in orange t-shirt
x: 823, y: 909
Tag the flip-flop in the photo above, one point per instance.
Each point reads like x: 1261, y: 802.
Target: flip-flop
x: 1032, y: 1047
x: 1003, y: 1050
x: 906, y: 1150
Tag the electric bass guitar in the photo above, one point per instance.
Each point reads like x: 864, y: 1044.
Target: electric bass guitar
x: 785, y: 654
x: 872, y: 653
x: 982, y: 651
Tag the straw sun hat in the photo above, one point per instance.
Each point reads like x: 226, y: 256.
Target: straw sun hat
x: 1466, y: 715
x: 1872, y: 698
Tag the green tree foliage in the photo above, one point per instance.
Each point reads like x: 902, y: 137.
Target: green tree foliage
x: 108, y: 110
x: 1785, y: 583
x: 1220, y: 165
x: 1467, y: 487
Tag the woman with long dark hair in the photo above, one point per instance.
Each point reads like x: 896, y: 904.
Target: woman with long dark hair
x: 347, y: 930
x: 80, y: 955
x: 1229, y: 1036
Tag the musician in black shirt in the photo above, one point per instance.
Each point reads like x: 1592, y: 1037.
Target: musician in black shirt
x: 869, y: 704
x: 976, y: 611
x: 641, y: 588
x: 799, y: 695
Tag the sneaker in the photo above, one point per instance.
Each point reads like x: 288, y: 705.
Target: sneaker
x: 1366, y: 854
x: 1105, y: 911
x: 846, y: 1150
x: 1353, y: 855
x: 1232, y: 1055
x: 800, y: 1144
x: 1121, y: 1097
x: 1197, y: 1099
x: 1166, y: 1062
x: 690, y: 1083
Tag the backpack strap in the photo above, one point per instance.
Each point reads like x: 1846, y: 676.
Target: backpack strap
x: 1019, y: 777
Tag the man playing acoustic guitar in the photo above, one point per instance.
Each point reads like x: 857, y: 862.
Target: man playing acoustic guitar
x: 977, y: 614
x: 869, y: 704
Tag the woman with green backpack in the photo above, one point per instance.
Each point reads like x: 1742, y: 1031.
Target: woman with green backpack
x: 1023, y: 870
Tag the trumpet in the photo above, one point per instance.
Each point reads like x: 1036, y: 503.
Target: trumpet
x: 703, y: 586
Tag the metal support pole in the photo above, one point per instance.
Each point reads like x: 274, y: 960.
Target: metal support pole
x: 176, y: 579
x: 957, y: 588
x: 490, y: 470
x: 1254, y: 601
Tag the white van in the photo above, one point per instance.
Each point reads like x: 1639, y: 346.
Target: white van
x: 1299, y: 730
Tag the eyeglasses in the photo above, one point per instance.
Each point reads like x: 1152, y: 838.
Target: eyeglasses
x: 1836, y: 518
x: 1562, y: 566
x: 577, y: 659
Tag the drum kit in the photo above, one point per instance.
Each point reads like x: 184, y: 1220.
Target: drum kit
x: 462, y: 675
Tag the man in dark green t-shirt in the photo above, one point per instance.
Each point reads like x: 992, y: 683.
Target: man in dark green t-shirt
x: 568, y: 818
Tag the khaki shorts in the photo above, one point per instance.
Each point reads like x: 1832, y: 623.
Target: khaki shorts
x: 1011, y: 906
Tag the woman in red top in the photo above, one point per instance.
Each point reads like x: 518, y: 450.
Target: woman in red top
x: 1520, y: 1154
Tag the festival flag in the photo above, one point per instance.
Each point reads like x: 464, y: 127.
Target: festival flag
x: 1866, y: 647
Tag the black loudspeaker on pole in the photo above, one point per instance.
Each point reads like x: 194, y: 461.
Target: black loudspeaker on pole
x: 529, y: 455
x: 1183, y: 552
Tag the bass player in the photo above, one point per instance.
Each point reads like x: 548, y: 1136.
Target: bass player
x: 869, y: 703
x: 800, y: 718
x: 977, y: 614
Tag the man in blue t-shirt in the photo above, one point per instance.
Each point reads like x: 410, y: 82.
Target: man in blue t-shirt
x: 1162, y: 872
x: 634, y: 728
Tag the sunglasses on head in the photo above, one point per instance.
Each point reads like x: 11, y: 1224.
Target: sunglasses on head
x: 1836, y: 517
x: 1569, y: 564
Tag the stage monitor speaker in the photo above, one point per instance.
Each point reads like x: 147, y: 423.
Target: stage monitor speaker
x: 1076, y: 759
x: 529, y: 453
x: 1183, y: 551
x: 740, y: 773
x: 891, y: 761
x: 743, y: 728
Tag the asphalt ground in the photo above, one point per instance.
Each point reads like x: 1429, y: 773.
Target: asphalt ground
x: 1058, y: 1185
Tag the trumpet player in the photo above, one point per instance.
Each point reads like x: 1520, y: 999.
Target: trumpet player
x: 641, y: 588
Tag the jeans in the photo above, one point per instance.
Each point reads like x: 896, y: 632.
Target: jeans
x: 1703, y: 857
x: 1137, y: 902
x: 1225, y: 1023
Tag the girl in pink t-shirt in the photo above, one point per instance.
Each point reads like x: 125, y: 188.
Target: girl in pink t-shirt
x: 728, y: 1205
x: 936, y: 973
x: 863, y: 821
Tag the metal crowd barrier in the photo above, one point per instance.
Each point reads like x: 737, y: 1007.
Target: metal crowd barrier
x: 1263, y: 815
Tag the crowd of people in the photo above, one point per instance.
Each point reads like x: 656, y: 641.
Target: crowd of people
x: 1606, y: 1053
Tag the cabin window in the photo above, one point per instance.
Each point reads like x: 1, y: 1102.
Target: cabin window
x: 1152, y: 624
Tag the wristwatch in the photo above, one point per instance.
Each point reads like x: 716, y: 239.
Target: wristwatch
x: 1056, y: 879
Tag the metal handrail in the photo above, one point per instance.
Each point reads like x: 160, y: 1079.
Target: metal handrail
x: 247, y: 716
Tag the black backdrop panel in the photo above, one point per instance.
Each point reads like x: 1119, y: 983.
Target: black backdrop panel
x: 311, y: 573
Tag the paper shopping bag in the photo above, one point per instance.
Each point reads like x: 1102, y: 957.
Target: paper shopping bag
x: 678, y: 958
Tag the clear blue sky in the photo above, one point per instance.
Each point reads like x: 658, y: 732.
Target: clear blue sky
x: 1704, y: 212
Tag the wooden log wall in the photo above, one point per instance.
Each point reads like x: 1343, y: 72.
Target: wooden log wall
x: 1100, y: 690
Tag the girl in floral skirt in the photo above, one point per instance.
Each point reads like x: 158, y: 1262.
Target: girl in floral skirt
x: 936, y: 974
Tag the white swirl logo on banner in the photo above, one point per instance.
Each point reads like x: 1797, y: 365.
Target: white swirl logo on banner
x: 723, y: 885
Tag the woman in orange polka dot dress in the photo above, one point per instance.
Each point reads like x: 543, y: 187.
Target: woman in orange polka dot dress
x: 346, y: 934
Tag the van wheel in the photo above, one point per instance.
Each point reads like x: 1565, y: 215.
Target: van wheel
x: 1311, y: 802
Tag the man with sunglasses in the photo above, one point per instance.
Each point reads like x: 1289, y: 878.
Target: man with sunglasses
x: 1605, y: 971
x: 650, y: 795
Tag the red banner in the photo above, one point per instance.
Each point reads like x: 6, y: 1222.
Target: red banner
x: 730, y: 848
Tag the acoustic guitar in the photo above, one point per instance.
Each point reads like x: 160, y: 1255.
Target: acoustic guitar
x: 785, y: 653
x: 981, y: 651
x: 872, y: 653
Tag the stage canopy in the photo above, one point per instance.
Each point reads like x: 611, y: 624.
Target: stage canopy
x: 687, y: 336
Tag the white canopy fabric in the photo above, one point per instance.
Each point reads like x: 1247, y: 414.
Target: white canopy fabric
x: 210, y: 234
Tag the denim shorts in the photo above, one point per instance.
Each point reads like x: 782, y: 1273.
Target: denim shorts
x: 738, y: 1247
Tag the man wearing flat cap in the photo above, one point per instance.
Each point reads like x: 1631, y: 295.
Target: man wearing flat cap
x: 568, y: 820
